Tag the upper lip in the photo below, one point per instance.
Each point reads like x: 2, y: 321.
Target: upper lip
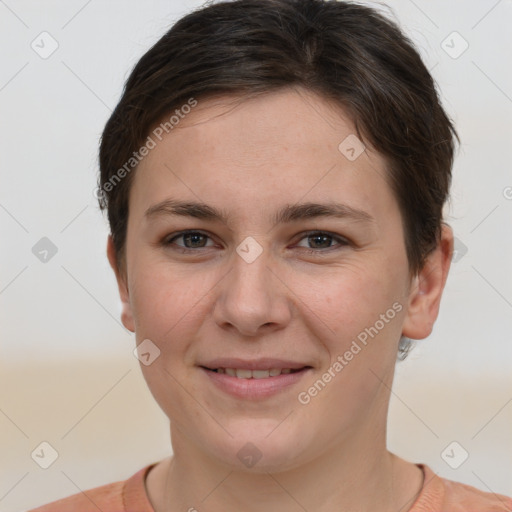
x: 264, y: 363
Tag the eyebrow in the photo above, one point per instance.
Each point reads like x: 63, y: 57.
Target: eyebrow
x: 287, y: 214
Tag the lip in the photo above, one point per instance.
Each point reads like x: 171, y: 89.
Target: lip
x: 263, y: 363
x: 254, y: 389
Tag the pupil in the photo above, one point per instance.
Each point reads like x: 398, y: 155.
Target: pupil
x: 324, y: 237
x: 192, y: 237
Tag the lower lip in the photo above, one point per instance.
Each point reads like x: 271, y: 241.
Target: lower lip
x: 254, y: 388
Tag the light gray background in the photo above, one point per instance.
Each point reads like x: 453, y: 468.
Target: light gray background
x: 67, y: 372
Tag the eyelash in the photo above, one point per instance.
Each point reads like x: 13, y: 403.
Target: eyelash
x: 341, y: 240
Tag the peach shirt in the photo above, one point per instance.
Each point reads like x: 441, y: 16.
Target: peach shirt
x: 437, y: 495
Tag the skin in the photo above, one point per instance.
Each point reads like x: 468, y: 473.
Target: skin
x: 250, y: 159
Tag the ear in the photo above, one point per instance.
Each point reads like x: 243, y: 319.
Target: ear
x: 427, y: 288
x: 126, y: 314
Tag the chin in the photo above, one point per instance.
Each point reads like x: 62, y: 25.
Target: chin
x: 260, y: 446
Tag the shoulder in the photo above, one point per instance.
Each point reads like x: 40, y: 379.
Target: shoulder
x: 462, y: 498
x: 443, y: 495
x: 107, y: 497
x: 113, y: 497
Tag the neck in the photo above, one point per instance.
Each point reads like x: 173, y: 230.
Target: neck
x: 353, y: 474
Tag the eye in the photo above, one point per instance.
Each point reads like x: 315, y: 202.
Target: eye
x: 191, y: 240
x: 323, y: 240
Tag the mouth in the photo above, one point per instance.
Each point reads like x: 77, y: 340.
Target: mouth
x: 253, y: 380
x: 243, y: 373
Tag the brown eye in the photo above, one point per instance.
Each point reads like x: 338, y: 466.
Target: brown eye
x: 191, y: 240
x: 318, y: 240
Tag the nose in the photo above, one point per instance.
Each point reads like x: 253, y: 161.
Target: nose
x: 252, y: 299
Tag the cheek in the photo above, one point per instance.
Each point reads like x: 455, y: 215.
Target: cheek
x: 344, y: 300
x: 168, y: 308
x: 166, y: 303
x: 364, y: 316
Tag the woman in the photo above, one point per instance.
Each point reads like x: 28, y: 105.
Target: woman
x: 274, y: 176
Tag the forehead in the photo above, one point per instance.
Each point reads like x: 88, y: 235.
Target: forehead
x: 293, y: 118
x: 279, y: 147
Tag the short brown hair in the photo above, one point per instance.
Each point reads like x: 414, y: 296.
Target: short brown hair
x: 340, y: 50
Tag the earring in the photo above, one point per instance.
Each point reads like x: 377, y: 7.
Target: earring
x: 404, y: 347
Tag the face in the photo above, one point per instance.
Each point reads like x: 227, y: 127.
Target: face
x: 293, y: 260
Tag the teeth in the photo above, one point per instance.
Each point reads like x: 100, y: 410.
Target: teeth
x: 253, y: 374
x: 260, y: 374
x: 243, y: 374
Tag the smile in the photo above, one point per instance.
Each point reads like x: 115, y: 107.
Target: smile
x: 242, y: 373
x: 253, y: 384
